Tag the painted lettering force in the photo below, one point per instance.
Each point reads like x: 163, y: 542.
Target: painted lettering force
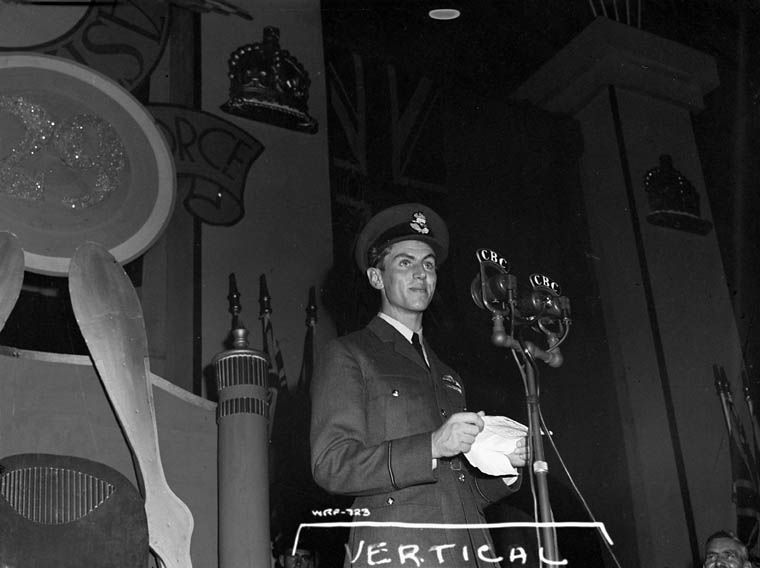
x: 380, y: 553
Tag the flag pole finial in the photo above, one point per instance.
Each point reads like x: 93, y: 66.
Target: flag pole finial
x: 265, y: 300
x: 311, y: 308
x: 239, y: 332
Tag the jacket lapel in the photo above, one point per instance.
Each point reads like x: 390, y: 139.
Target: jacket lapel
x: 389, y: 335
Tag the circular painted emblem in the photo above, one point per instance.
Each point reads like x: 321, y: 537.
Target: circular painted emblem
x: 80, y: 160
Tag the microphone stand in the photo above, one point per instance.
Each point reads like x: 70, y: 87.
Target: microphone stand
x: 528, y: 352
x: 549, y: 315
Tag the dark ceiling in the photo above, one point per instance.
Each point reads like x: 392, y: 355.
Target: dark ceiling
x: 496, y: 44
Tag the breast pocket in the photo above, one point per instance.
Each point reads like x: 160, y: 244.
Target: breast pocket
x: 398, y: 406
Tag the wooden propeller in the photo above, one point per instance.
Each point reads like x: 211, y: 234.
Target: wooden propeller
x: 11, y: 274
x: 110, y: 317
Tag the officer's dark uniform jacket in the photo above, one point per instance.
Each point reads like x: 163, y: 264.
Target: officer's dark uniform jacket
x: 375, y: 404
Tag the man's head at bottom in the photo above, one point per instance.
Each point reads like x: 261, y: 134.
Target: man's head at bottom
x: 725, y: 550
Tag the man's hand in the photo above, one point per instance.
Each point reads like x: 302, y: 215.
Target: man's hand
x: 457, y: 434
x: 519, y: 457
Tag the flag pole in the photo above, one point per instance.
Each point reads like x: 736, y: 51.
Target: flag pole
x: 265, y: 310
x: 744, y: 471
x: 736, y: 427
x: 748, y: 456
x: 307, y: 363
x: 756, y: 452
x: 311, y: 309
x: 753, y: 419
x: 265, y: 315
x: 233, y: 298
x: 747, y: 388
x: 724, y: 393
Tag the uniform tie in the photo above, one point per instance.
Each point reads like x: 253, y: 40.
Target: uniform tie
x: 418, y: 347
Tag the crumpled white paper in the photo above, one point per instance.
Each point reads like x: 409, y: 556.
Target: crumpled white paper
x: 495, y: 442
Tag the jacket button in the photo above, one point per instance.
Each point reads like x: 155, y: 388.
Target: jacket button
x: 443, y: 412
x: 390, y: 500
x: 460, y: 477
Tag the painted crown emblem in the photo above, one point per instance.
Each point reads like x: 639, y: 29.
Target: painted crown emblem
x: 419, y: 223
x: 269, y: 84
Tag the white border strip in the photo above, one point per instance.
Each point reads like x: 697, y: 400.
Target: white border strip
x: 599, y: 526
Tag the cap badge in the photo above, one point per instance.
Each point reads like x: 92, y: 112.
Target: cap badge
x: 419, y: 223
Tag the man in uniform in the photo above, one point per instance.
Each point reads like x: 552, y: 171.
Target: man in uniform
x: 389, y: 420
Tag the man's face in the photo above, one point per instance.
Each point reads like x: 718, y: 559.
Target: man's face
x: 407, y: 280
x: 301, y: 559
x: 725, y: 553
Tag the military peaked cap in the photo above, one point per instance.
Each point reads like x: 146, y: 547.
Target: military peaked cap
x: 405, y: 222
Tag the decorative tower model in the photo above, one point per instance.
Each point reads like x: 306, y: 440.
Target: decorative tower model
x: 243, y: 466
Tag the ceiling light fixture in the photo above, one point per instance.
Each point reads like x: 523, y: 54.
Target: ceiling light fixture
x: 444, y: 14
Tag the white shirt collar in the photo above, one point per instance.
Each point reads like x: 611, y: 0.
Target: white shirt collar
x: 400, y: 327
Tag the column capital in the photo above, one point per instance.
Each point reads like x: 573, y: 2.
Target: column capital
x: 610, y: 53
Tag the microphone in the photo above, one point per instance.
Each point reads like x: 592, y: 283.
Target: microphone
x: 493, y: 285
x: 542, y: 308
x: 497, y: 289
x: 500, y: 291
x: 541, y: 305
